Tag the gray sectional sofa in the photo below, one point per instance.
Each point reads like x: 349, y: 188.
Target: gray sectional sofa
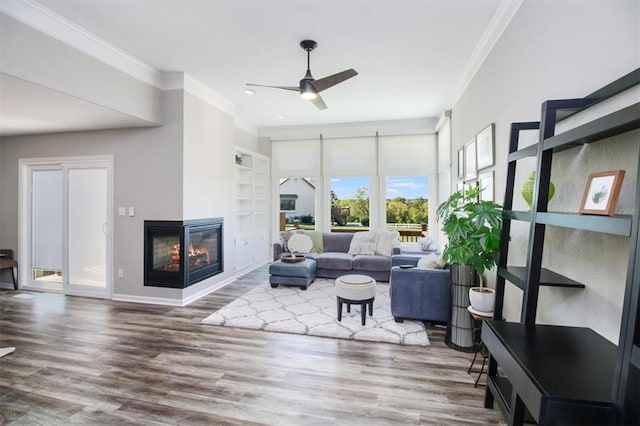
x: 335, y: 260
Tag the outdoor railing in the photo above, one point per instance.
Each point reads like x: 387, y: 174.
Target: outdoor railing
x: 409, y: 232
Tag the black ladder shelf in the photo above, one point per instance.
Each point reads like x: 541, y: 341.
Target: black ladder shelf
x: 554, y: 374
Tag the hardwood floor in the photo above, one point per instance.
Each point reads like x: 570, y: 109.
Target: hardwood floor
x: 92, y: 361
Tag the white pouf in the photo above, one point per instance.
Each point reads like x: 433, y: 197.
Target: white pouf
x: 356, y: 290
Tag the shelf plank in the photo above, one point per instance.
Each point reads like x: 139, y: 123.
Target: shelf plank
x: 517, y: 215
x: 556, y: 370
x: 529, y: 151
x: 616, y: 123
x: 501, y: 389
x: 616, y: 225
x: 518, y: 274
x: 635, y: 356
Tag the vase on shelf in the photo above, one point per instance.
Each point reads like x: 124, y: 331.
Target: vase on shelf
x: 529, y: 186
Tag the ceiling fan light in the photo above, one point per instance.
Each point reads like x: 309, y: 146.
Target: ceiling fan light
x: 308, y: 95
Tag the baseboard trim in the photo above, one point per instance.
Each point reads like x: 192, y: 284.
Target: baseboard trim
x: 172, y: 302
x: 146, y: 299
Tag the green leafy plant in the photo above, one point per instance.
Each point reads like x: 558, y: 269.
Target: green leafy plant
x: 473, y: 229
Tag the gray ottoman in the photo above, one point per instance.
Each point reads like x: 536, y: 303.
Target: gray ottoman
x: 300, y: 273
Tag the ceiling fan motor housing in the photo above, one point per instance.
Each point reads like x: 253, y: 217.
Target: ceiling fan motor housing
x: 308, y: 45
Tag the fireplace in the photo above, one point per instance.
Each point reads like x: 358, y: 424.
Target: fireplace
x: 178, y: 254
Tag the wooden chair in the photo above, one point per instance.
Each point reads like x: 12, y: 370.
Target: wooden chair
x: 7, y: 262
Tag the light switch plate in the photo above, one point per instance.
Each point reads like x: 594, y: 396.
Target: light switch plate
x: 122, y: 211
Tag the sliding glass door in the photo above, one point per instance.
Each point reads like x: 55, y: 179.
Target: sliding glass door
x: 68, y: 234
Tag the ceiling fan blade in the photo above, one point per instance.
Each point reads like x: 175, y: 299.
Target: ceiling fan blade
x: 332, y: 80
x: 293, y: 88
x: 318, y: 102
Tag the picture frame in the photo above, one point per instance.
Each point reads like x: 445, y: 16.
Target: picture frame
x: 486, y: 183
x: 485, y: 147
x: 601, y: 193
x: 470, y: 169
x: 461, y: 163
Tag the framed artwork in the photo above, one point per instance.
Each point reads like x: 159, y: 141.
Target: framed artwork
x: 461, y: 163
x: 470, y: 169
x: 485, y: 147
x: 470, y: 184
x: 487, y: 189
x: 460, y: 186
x: 601, y: 193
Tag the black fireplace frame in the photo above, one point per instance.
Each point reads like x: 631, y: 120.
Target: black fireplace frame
x: 183, y: 277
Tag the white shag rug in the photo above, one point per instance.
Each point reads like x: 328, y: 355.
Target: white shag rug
x: 314, y: 312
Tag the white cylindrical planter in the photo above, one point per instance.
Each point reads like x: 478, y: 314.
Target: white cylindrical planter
x: 482, y: 299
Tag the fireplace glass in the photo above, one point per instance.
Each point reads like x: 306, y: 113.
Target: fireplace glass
x: 181, y: 253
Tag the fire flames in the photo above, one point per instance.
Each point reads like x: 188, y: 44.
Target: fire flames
x: 198, y: 257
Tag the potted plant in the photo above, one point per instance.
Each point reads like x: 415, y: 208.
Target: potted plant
x: 473, y: 229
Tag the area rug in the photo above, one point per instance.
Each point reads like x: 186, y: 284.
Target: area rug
x: 314, y: 312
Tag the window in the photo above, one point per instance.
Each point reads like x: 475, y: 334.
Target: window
x: 297, y: 202
x: 288, y: 202
x: 349, y: 203
x: 407, y: 205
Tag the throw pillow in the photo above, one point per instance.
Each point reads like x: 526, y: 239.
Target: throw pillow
x: 364, y: 242
x: 300, y: 243
x: 386, y: 241
x: 318, y: 242
x: 285, y: 235
x: 427, y: 244
x: 430, y: 261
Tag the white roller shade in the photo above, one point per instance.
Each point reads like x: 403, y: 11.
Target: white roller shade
x: 349, y: 157
x: 295, y: 158
x: 407, y: 155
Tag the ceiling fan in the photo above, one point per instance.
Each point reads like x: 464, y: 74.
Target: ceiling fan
x: 309, y: 87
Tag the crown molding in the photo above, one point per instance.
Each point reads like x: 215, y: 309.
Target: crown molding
x: 178, y: 80
x: 501, y: 19
x: 45, y: 20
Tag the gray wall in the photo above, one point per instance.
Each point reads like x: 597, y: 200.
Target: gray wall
x: 147, y: 175
x: 181, y: 170
x: 554, y: 50
x: 33, y: 56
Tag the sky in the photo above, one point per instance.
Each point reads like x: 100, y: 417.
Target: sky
x: 407, y: 187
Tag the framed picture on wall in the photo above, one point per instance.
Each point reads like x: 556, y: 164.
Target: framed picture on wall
x: 461, y: 163
x: 485, y: 147
x: 470, y: 169
x: 487, y: 188
x: 601, y: 193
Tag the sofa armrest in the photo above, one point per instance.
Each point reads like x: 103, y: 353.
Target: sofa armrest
x: 278, y: 249
x: 402, y: 259
x: 420, y: 293
x: 396, y: 249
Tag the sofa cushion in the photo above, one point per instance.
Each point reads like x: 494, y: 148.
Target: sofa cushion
x: 364, y: 243
x: 337, y: 242
x: 285, y: 235
x: 334, y: 260
x: 371, y: 263
x: 431, y: 261
x: 386, y: 241
x: 316, y: 238
x: 300, y: 243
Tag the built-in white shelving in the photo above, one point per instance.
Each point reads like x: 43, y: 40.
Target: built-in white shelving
x: 252, y: 178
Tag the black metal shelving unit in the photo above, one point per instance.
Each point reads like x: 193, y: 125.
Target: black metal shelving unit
x: 555, y: 374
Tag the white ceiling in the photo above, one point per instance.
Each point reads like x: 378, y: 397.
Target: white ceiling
x: 411, y: 56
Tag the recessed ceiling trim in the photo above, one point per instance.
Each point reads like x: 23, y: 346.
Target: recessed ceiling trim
x: 498, y: 24
x: 54, y: 25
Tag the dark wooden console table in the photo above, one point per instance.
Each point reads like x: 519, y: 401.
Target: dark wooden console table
x: 561, y: 375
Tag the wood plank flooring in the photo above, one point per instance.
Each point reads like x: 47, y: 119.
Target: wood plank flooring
x: 92, y: 361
